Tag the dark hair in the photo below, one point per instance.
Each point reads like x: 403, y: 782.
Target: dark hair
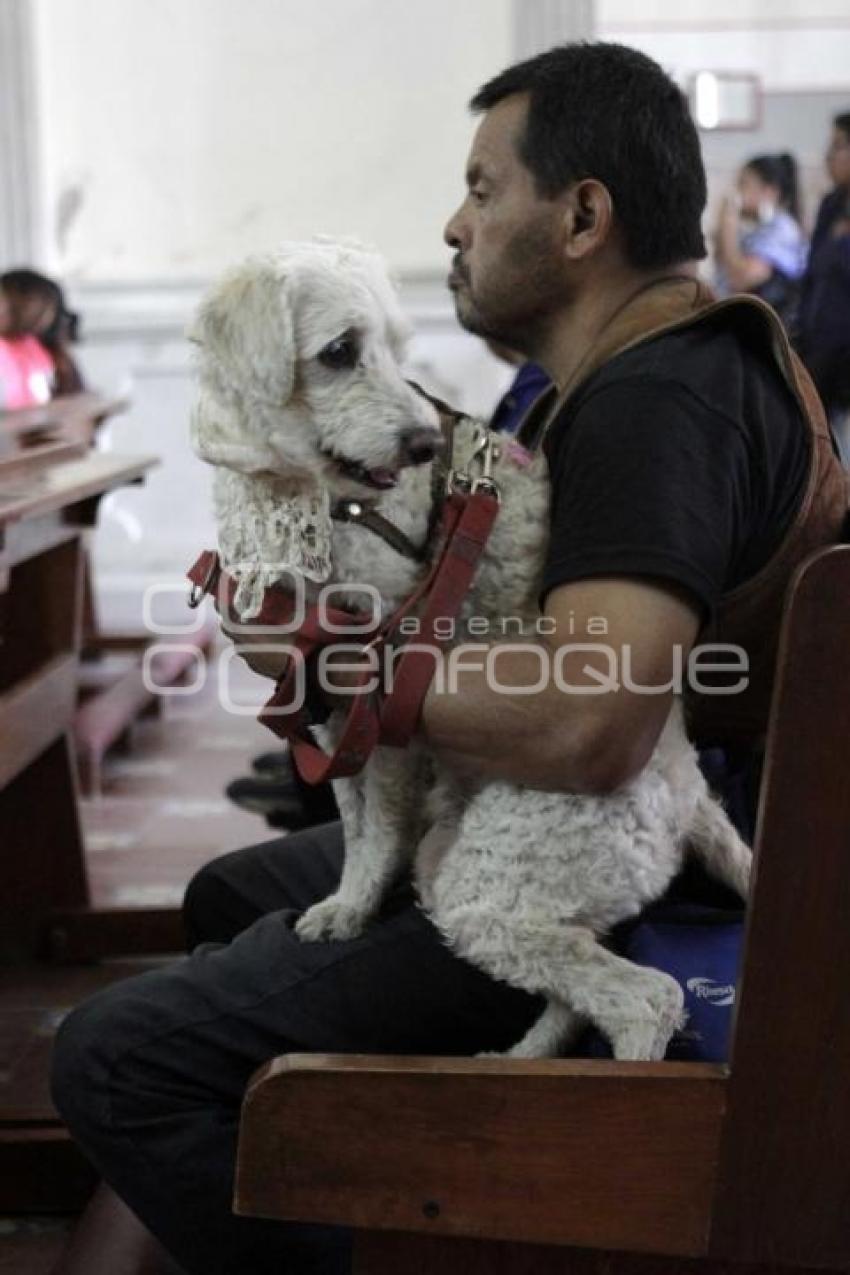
x: 609, y: 112
x: 842, y: 121
x: 779, y: 171
x: 23, y: 283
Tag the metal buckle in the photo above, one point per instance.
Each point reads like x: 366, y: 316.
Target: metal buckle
x: 482, y: 446
x: 489, y: 486
x: 489, y: 451
x: 458, y: 481
x: 486, y: 451
x: 198, y: 591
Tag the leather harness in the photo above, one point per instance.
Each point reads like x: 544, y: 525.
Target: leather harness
x: 747, y: 616
x: 466, y: 509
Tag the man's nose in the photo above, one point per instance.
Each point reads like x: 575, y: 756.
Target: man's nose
x: 453, y: 232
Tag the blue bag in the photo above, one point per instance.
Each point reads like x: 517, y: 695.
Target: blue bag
x: 701, y: 948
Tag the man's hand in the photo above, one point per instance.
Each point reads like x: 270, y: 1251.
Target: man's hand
x: 266, y: 654
x: 728, y: 213
x: 743, y: 271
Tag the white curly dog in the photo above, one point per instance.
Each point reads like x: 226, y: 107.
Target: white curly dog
x: 302, y: 402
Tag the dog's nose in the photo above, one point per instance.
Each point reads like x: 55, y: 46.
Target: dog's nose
x: 419, y: 446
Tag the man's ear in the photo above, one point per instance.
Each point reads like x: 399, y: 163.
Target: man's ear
x: 244, y: 325
x: 587, y: 219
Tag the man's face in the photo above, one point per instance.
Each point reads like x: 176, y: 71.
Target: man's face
x: 508, y: 275
x: 838, y: 157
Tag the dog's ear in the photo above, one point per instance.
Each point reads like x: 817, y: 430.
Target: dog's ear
x: 221, y: 436
x: 244, y: 326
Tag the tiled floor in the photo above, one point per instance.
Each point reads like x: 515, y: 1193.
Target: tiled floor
x: 162, y: 812
x: 31, y: 1246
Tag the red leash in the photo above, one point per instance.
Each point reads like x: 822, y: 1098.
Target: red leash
x: 280, y: 714
x: 413, y: 672
x: 467, y: 520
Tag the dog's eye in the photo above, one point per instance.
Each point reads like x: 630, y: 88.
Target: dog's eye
x: 342, y: 352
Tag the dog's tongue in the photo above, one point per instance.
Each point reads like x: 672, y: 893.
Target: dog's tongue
x: 383, y: 477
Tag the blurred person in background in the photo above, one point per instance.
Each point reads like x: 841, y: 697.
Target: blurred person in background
x: 36, y: 331
x: 760, y: 246
x: 824, y: 326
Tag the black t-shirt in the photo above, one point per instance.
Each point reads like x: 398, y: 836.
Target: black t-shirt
x: 683, y: 460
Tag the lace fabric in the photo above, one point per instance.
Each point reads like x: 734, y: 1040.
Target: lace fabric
x: 266, y: 537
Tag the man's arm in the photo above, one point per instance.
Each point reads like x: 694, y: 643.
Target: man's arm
x: 586, y: 739
x: 564, y: 727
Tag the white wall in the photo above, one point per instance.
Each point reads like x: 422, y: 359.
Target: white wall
x: 181, y: 134
x: 791, y: 44
x: 799, y: 49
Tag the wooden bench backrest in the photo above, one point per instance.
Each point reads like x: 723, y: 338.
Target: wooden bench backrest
x: 784, y: 1172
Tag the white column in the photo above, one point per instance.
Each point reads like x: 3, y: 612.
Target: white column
x: 20, y: 226
x: 538, y: 24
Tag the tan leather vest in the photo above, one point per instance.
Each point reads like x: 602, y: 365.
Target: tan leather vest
x: 749, y: 615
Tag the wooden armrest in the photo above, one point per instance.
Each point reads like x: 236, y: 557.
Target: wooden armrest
x: 604, y: 1154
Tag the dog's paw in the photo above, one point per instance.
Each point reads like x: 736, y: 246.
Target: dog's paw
x: 645, y: 1037
x: 330, y: 919
x: 526, y: 1052
x: 640, y: 1042
x: 520, y: 1050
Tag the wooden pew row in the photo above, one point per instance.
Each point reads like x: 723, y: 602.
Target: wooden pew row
x: 116, y: 702
x: 43, y: 516
x: 50, y: 488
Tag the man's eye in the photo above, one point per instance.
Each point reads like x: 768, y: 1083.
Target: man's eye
x: 477, y: 196
x: 339, y: 354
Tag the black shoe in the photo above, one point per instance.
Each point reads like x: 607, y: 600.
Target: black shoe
x: 279, y: 800
x: 276, y: 765
x: 285, y: 802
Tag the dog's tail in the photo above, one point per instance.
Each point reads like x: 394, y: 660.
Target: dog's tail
x: 713, y: 839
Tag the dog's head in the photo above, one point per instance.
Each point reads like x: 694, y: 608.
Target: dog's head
x: 300, y: 352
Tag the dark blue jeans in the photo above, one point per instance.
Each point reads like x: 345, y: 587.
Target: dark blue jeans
x: 149, y: 1074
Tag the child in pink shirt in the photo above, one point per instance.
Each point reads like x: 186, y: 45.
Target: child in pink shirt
x: 26, y: 372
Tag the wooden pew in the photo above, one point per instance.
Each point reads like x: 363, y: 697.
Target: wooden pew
x: 50, y: 488
x: 32, y: 437
x: 45, y: 509
x: 600, y: 1168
